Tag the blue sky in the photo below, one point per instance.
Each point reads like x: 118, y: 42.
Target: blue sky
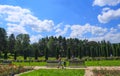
x: 84, y: 19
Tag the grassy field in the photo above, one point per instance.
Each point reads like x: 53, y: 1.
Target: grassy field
x: 103, y: 63
x: 30, y: 63
x: 54, y: 72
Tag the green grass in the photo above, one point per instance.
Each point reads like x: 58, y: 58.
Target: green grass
x: 103, y: 63
x: 30, y: 64
x: 54, y: 72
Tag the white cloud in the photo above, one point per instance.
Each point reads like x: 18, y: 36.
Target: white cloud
x: 95, y: 33
x: 16, y: 29
x: 81, y: 30
x: 106, y: 2
x: 108, y: 15
x: 119, y: 26
x: 113, y: 37
x: 58, y: 26
x: 21, y: 18
x: 112, y: 30
x: 105, y: 9
x: 35, y: 38
x: 62, y: 32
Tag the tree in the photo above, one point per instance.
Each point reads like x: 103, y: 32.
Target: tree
x: 36, y: 49
x: 18, y: 44
x: 11, y: 43
x: 25, y: 54
x: 3, y: 39
x: 51, y: 46
x: 57, y: 53
x: 22, y: 44
x: 5, y: 55
x: 15, y: 55
x: 69, y: 53
x: 25, y: 43
x: 46, y: 53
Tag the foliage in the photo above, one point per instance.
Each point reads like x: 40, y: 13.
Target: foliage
x: 54, y: 46
x: 3, y: 39
x: 15, y: 55
x: 54, y: 72
x: 11, y: 43
x: 46, y: 53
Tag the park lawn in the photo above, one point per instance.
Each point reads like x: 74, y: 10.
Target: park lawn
x: 30, y: 63
x: 55, y: 72
x: 103, y: 63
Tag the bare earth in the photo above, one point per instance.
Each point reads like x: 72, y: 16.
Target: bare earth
x: 88, y: 70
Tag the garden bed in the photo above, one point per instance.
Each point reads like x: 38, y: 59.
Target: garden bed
x: 106, y: 72
x: 10, y: 70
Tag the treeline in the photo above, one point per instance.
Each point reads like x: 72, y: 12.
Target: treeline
x: 54, y: 46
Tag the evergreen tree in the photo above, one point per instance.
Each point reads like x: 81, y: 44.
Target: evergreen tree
x: 11, y: 43
x: 15, y: 55
x: 46, y: 53
x: 69, y: 54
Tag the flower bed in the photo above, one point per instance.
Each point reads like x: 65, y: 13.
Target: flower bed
x: 10, y: 70
x: 106, y: 72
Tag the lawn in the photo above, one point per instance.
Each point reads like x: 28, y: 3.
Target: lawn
x: 103, y: 63
x: 30, y: 63
x: 54, y: 72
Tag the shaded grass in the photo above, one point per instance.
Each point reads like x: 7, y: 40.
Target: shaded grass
x: 103, y: 63
x: 54, y: 72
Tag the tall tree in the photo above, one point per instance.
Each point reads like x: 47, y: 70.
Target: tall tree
x: 11, y: 43
x: 15, y: 55
x: 36, y: 50
x: 26, y: 41
x: 51, y: 46
x: 3, y: 39
x: 46, y: 53
x: 22, y: 42
x: 68, y: 53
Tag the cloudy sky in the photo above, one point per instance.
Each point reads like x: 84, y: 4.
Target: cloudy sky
x: 84, y: 19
